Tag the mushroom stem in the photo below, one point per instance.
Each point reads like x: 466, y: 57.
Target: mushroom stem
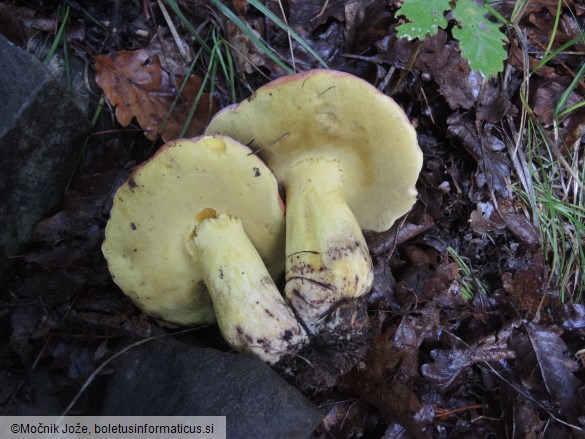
x: 251, y: 313
x: 328, y: 265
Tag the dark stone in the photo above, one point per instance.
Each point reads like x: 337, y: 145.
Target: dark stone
x: 162, y: 378
x: 41, y: 133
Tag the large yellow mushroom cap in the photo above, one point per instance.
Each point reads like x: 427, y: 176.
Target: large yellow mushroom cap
x: 325, y: 113
x: 149, y: 234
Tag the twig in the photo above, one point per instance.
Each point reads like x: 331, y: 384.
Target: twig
x: 322, y: 11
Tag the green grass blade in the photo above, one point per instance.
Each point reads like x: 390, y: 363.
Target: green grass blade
x: 470, y: 284
x: 555, y: 28
x: 272, y: 17
x: 177, y: 10
x: 178, y: 96
x: 58, y: 36
x: 194, y: 106
x: 518, y: 11
x: 560, y: 209
x: 569, y: 110
x: 563, y: 47
x: 227, y: 65
x: 565, y: 96
x: 248, y: 32
x: 66, y: 61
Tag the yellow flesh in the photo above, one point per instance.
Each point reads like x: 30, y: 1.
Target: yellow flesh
x: 251, y: 313
x: 152, y: 219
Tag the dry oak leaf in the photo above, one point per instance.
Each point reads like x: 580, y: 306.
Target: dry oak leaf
x: 137, y: 85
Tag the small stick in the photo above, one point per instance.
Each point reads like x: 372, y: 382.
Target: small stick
x: 322, y: 11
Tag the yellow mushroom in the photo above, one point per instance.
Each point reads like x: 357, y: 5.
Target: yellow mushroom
x: 348, y: 159
x: 190, y: 236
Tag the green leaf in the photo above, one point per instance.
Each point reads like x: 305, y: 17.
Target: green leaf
x: 481, y: 40
x: 425, y: 16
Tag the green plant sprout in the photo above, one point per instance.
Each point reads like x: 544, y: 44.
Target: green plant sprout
x: 470, y: 284
x: 481, y: 41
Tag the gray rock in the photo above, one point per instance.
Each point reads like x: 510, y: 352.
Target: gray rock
x: 160, y: 378
x: 84, y: 90
x: 41, y: 133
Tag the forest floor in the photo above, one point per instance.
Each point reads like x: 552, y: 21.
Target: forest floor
x: 478, y: 326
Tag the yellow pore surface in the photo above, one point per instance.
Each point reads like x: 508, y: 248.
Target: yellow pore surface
x: 149, y: 242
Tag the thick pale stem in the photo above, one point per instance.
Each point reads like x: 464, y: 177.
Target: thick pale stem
x: 327, y: 259
x: 251, y: 313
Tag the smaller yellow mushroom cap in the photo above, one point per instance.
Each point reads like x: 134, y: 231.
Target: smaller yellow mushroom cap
x: 149, y: 234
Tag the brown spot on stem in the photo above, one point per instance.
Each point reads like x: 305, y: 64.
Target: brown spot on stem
x: 287, y: 335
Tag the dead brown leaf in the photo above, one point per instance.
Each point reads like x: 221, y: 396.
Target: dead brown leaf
x: 365, y: 22
x: 493, y: 104
x: 450, y: 366
x: 549, y: 5
x: 526, y: 420
x: 241, y: 6
x: 30, y: 322
x: 417, y: 223
x: 556, y: 367
x: 387, y: 381
x: 136, y: 84
x: 525, y: 289
x: 247, y: 55
x: 545, y: 99
x: 572, y: 316
x: 318, y: 23
x: 457, y: 83
x: 516, y: 58
x: 574, y: 127
x: 543, y: 360
x: 441, y: 285
x: 343, y: 419
x: 487, y: 218
x: 494, y: 167
x: 384, y: 284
